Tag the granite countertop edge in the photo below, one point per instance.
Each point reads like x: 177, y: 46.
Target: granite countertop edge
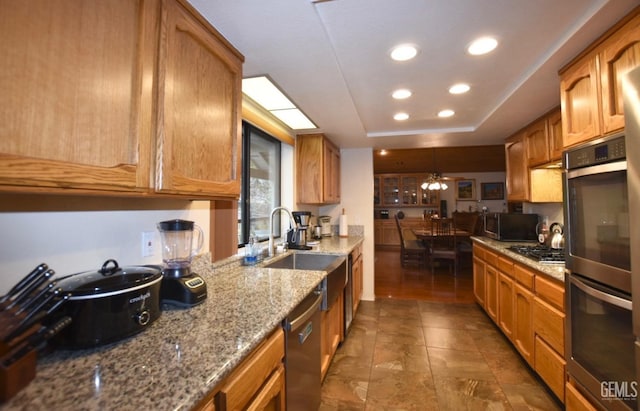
x: 555, y: 271
x: 185, y: 353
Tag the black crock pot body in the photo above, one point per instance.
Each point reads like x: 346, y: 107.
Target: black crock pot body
x: 109, y: 304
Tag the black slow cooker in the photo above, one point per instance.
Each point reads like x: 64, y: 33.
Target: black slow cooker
x: 109, y: 304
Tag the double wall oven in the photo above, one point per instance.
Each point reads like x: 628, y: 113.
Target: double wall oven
x: 600, y: 339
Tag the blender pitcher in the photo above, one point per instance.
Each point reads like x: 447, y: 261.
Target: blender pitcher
x: 178, y: 248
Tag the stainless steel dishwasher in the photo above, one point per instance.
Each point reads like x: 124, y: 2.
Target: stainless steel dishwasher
x: 302, y: 356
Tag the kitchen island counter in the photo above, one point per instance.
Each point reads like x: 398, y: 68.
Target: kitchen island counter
x: 555, y: 271
x: 185, y: 353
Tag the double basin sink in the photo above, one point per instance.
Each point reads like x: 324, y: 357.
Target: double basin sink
x: 335, y: 266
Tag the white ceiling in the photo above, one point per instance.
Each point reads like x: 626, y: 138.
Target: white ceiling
x: 331, y: 59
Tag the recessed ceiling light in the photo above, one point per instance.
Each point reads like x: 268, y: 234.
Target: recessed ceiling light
x: 383, y: 152
x: 459, y: 88
x: 446, y: 113
x: 401, y: 94
x: 401, y: 116
x: 404, y: 52
x: 482, y: 45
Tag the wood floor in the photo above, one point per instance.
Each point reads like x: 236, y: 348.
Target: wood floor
x: 419, y: 283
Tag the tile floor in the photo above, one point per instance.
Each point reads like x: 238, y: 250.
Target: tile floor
x: 424, y: 355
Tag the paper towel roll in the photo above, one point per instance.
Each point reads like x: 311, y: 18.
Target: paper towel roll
x: 344, y: 225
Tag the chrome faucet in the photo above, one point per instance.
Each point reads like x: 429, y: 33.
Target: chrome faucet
x: 292, y: 223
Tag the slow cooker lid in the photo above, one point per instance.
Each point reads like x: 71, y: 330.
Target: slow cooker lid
x: 109, y: 278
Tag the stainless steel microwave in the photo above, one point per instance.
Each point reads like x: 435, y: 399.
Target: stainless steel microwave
x: 511, y: 226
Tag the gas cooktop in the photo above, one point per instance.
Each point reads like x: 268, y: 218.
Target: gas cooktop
x: 540, y: 253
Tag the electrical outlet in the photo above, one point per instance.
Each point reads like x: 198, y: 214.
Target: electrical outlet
x: 147, y: 243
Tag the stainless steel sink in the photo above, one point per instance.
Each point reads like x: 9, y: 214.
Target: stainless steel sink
x: 308, y: 261
x: 334, y: 265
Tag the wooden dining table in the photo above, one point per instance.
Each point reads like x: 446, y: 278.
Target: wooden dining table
x: 425, y: 233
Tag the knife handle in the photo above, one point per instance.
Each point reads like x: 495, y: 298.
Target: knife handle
x: 24, y: 282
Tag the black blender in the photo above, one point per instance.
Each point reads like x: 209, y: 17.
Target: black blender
x: 180, y: 286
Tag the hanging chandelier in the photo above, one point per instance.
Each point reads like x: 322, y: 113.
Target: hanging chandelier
x: 434, y: 182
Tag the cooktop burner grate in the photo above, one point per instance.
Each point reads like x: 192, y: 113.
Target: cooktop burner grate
x: 540, y: 253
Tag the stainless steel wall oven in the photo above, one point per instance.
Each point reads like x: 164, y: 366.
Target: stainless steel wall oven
x: 599, y: 331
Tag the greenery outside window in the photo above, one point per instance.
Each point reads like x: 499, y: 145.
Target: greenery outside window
x: 260, y: 192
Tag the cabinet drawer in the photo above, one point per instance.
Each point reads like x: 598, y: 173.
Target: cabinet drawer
x: 249, y: 377
x: 491, y: 258
x: 548, y: 323
x: 524, y: 276
x: 550, y: 291
x: 506, y: 266
x: 550, y: 366
x: 479, y: 252
x: 575, y: 401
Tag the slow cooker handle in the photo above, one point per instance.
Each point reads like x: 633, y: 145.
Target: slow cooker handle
x: 106, y: 270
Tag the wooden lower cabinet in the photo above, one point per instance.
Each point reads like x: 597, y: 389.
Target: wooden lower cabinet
x: 550, y: 366
x: 575, y: 401
x: 528, y: 307
x: 479, y: 288
x: 331, y: 326
x: 491, y: 295
x: 506, y: 309
x: 258, y: 383
x: 523, y: 327
x: 357, y: 277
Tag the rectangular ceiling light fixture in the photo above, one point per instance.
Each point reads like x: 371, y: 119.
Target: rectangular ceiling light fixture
x: 265, y: 93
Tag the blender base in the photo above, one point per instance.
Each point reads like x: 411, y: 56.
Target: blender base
x: 183, y: 292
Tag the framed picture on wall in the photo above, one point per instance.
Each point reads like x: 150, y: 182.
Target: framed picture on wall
x: 492, y: 191
x: 466, y: 189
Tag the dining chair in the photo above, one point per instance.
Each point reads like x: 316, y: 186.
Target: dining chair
x: 412, y: 250
x: 442, y: 243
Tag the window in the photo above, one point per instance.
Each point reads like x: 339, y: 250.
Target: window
x: 260, y: 193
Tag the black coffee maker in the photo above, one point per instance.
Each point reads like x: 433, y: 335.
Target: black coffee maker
x: 180, y: 286
x: 297, y: 238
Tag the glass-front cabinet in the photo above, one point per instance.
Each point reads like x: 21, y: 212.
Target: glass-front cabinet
x: 391, y: 191
x: 403, y: 190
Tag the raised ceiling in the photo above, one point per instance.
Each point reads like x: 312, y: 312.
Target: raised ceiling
x: 331, y: 58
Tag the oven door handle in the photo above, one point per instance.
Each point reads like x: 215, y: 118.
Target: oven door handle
x: 600, y: 295
x: 597, y: 169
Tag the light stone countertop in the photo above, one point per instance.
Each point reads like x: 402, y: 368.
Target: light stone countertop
x: 185, y: 353
x: 555, y: 271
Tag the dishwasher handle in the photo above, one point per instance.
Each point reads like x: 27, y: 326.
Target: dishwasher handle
x: 308, y: 313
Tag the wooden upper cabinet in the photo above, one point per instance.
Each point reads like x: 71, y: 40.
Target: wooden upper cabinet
x: 579, y: 100
x: 317, y: 170
x: 517, y: 171
x: 591, y: 86
x: 76, y: 101
x: 554, y: 130
x: 619, y: 54
x: 199, y: 116
x: 536, y: 139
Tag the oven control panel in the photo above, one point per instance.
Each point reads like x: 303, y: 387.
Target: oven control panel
x: 598, y: 152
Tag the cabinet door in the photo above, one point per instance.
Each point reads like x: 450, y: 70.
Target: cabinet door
x: 76, y: 100
x: 523, y: 324
x: 550, y: 366
x: 390, y: 235
x: 554, y: 129
x: 548, y: 324
x: 357, y: 283
x: 376, y: 191
x: 505, y: 305
x: 620, y: 53
x: 479, y: 289
x: 517, y: 171
x: 199, y: 108
x: 579, y: 101
x: 391, y: 190
x: 331, y: 333
x: 536, y: 139
x: 409, y: 190
x: 331, y: 173
x: 491, y: 297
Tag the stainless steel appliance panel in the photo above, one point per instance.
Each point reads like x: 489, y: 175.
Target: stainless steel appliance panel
x: 302, y: 357
x: 597, y: 212
x: 601, y: 344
